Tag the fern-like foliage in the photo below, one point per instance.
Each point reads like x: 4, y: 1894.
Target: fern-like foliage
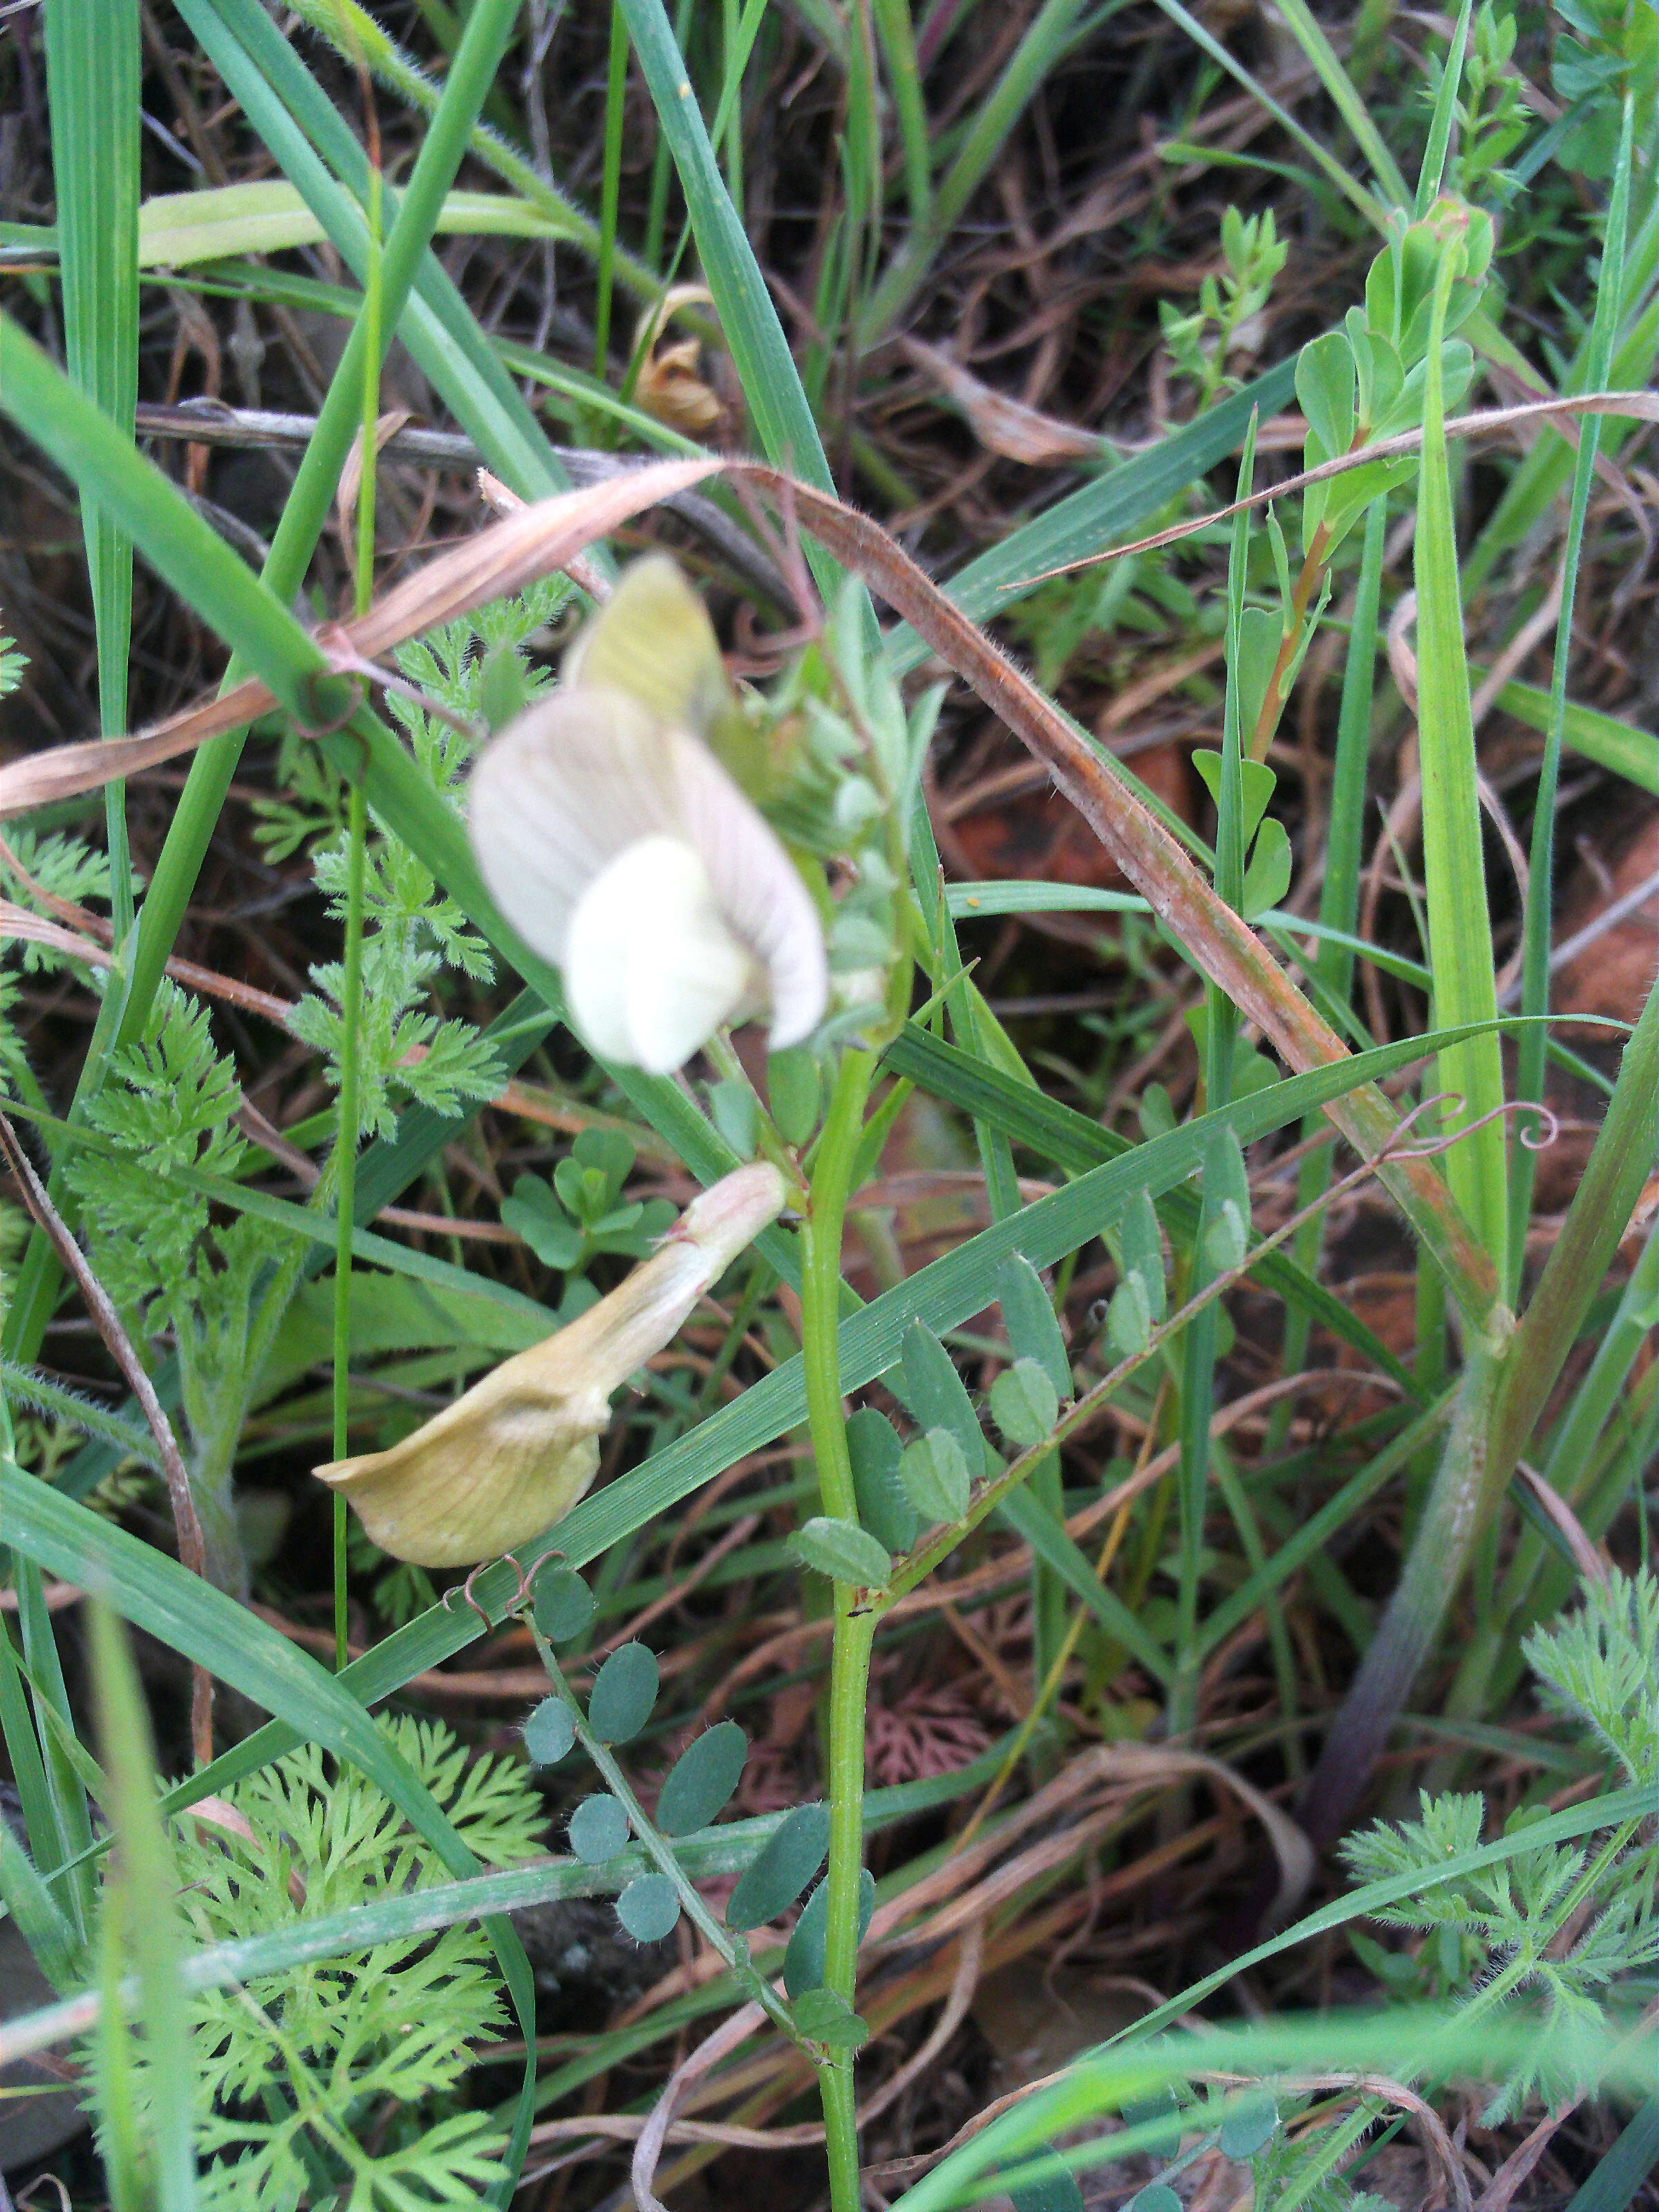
x: 1564, y: 1923
x: 404, y: 1051
x: 221, y: 1287
x: 1597, y: 1668
x: 12, y: 665
x: 338, y: 2080
x: 64, y: 868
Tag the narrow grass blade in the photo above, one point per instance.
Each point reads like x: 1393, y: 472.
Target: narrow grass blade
x: 783, y: 420
x: 93, y: 89
x: 1338, y: 893
x: 1445, y: 113
x: 1043, y: 42
x: 1118, y: 2074
x: 1309, y: 34
x: 1460, y: 930
x: 1311, y: 1535
x: 1619, y: 2178
x: 53, y: 1843
x: 896, y: 32
x: 1544, y: 471
x: 1032, y: 1519
x: 42, y: 1923
x: 345, y: 26
x: 1597, y: 1218
x: 1350, y: 187
x: 141, y: 1916
x: 293, y: 115
x: 1507, y: 1379
x: 1115, y: 505
x: 1612, y: 745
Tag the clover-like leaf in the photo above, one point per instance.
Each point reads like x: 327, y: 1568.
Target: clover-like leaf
x: 1022, y: 1403
x: 649, y: 1908
x: 598, y: 1829
x: 564, y: 1604
x: 843, y: 1551
x: 702, y: 1779
x: 804, y: 1960
x: 935, y: 1476
x: 624, y: 1690
x: 873, y: 1448
x: 548, y: 1733
x: 825, y: 2017
x: 790, y: 1857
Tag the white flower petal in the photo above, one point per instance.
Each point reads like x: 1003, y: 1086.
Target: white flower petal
x: 568, y: 786
x: 651, y: 968
x: 759, y: 890
x: 560, y: 795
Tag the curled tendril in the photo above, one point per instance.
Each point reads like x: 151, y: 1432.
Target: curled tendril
x: 1535, y: 1136
x: 521, y: 1597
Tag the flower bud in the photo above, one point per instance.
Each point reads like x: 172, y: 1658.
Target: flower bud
x: 515, y: 1452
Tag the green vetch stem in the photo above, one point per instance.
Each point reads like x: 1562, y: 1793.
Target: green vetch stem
x: 1456, y: 1508
x: 854, y: 1630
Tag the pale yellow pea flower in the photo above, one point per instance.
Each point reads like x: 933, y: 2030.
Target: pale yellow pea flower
x: 622, y: 850
x: 515, y: 1452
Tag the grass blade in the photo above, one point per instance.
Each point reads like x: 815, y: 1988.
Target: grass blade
x: 1338, y: 896
x: 783, y: 420
x: 1454, y: 863
x: 289, y: 107
x: 1116, y: 504
x: 1536, y: 932
x: 1367, y: 202
x: 140, y: 1914
x: 92, y: 89
x: 1445, y: 111
x: 1618, y: 2179
x: 347, y: 28
x: 1032, y: 60
x: 1309, y: 34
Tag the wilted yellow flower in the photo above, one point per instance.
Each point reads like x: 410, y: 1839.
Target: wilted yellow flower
x: 515, y: 1452
x: 621, y: 849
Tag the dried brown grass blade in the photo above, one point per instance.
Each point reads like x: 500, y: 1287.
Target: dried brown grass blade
x: 1004, y: 426
x: 351, y: 476
x: 499, y: 561
x: 710, y: 2052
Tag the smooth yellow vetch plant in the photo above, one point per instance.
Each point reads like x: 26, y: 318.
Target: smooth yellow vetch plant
x: 620, y: 848
x: 516, y: 1452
